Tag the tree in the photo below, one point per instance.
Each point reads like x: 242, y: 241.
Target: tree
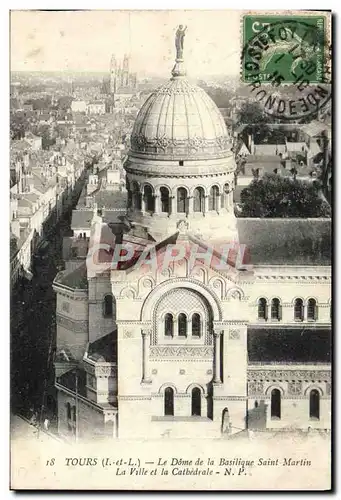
x: 40, y: 104
x: 18, y: 125
x: 275, y: 196
x: 64, y: 103
x: 44, y: 131
x: 251, y: 113
x: 221, y: 97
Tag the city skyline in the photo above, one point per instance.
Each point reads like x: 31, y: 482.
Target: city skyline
x: 35, y: 36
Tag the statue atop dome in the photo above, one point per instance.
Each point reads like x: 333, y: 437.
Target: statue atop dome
x: 179, y: 41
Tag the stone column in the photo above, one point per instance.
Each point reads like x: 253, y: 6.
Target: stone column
x: 231, y: 198
x: 157, y: 201
x: 206, y: 204
x: 190, y: 209
x: 142, y: 209
x: 189, y: 326
x: 216, y: 357
x: 173, y: 202
x: 175, y: 327
x: 145, y: 356
x: 222, y: 200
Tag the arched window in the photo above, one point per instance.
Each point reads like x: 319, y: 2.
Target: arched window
x: 148, y: 199
x: 213, y: 198
x: 298, y: 310
x: 196, y: 402
x: 74, y: 414
x: 196, y: 325
x: 68, y: 411
x: 275, y: 403
x: 182, y: 325
x: 169, y: 401
x: 199, y: 200
x: 312, y: 310
x: 169, y: 325
x: 314, y: 404
x: 225, y: 421
x: 108, y: 306
x: 275, y: 309
x: 137, y: 197
x: 165, y: 205
x: 181, y: 200
x: 225, y: 197
x: 130, y: 199
x: 130, y: 194
x: 262, y: 309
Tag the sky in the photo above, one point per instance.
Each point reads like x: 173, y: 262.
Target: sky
x: 85, y: 40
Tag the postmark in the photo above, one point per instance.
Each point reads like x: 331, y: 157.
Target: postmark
x: 286, y: 64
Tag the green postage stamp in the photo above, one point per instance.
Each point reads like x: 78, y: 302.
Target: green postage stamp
x: 284, y: 48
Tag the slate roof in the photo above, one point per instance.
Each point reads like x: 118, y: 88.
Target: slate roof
x: 286, y: 241
x: 313, y: 128
x: 44, y: 117
x: 314, y: 148
x: 111, y: 199
x: 113, y: 216
x: 301, y: 345
x: 104, y: 349
x: 39, y: 184
x: 76, y: 279
x: 33, y: 197
x: 21, y: 145
x: 266, y: 167
x: 276, y: 168
x: 81, y: 219
x: 296, y: 146
x: 269, y: 149
x: 68, y: 380
x: 267, y: 163
x: 23, y: 205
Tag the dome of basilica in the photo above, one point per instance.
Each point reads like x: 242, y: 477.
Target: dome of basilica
x: 180, y: 121
x: 180, y: 167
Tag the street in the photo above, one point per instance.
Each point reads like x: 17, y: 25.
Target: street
x: 33, y: 333
x: 22, y: 430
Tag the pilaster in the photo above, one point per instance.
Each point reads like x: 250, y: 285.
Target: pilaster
x: 145, y: 356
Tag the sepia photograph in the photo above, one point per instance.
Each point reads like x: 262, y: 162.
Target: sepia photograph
x: 170, y: 250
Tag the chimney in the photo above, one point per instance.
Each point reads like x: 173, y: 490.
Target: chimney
x: 288, y: 164
x: 249, y: 143
x: 252, y: 145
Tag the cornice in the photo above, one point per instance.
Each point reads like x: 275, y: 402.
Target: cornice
x: 303, y: 279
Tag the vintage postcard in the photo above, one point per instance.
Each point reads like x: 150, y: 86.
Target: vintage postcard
x: 170, y: 237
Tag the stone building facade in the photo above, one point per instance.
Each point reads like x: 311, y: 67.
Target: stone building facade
x: 236, y: 338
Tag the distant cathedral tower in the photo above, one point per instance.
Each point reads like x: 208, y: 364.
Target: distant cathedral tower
x: 120, y: 75
x: 113, y: 74
x: 125, y: 71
